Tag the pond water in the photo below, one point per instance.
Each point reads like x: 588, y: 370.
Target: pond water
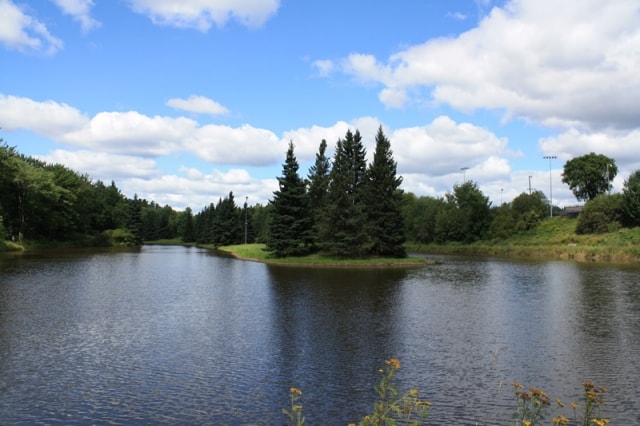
x: 178, y: 335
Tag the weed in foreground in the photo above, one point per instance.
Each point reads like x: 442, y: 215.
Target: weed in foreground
x: 295, y: 412
x: 392, y: 407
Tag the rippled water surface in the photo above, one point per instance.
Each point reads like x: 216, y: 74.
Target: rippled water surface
x: 177, y: 335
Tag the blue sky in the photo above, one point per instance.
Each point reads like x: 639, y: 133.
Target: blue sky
x: 183, y: 101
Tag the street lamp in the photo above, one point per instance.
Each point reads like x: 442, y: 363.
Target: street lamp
x: 550, y: 157
x: 246, y: 221
x: 529, y: 185
x: 464, y: 174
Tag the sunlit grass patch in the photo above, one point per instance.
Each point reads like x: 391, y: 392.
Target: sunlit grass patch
x: 258, y: 253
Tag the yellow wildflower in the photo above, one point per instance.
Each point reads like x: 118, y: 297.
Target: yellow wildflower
x: 560, y: 420
x: 393, y: 362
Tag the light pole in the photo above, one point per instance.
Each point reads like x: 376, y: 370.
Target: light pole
x: 246, y: 221
x: 529, y: 185
x: 550, y: 157
x: 464, y: 174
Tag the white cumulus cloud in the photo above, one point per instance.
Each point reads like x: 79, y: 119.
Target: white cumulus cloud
x: 199, y: 105
x: 235, y: 145
x: 80, y: 10
x: 444, y: 147
x: 104, y: 166
x: 202, y: 14
x: 23, y: 32
x: 48, y: 118
x: 132, y: 133
x: 572, y: 63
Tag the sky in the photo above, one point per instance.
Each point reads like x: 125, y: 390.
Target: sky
x: 184, y: 101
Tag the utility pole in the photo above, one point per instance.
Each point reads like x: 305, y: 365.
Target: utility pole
x: 529, y: 185
x: 246, y: 217
x: 550, y: 157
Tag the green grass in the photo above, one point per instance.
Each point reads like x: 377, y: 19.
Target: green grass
x: 553, y: 238
x: 257, y: 253
x: 10, y: 246
x: 169, y: 242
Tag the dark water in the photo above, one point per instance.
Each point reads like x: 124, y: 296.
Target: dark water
x: 177, y: 335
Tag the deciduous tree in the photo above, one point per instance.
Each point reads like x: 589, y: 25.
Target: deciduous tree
x: 589, y: 175
x: 467, y: 215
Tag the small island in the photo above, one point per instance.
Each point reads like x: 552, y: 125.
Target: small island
x: 257, y: 253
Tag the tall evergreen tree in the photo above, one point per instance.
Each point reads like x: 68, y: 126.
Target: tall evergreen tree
x: 291, y: 222
x: 135, y: 219
x: 187, y: 228
x: 343, y: 229
x: 227, y: 224
x: 318, y: 182
x: 385, y: 224
x: 631, y: 198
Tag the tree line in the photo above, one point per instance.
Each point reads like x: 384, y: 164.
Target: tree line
x: 344, y: 206
x: 41, y: 201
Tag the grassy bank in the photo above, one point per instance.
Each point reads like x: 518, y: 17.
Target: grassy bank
x: 10, y: 246
x: 169, y: 242
x: 256, y: 252
x: 553, y: 238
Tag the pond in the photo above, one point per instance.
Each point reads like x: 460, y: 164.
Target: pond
x: 179, y: 335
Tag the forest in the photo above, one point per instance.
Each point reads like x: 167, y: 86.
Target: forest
x: 343, y: 206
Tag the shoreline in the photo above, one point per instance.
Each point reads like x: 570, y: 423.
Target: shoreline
x: 571, y: 252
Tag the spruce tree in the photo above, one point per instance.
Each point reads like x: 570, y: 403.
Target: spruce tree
x: 385, y: 223
x: 290, y: 227
x: 318, y: 183
x: 344, y: 222
x: 226, y: 223
x: 135, y: 219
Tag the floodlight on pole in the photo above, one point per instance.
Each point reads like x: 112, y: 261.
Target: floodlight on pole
x: 464, y: 174
x: 550, y: 157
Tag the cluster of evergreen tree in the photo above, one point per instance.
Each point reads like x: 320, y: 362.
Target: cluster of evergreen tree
x: 344, y: 207
x: 223, y: 223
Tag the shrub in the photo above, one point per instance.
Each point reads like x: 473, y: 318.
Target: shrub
x: 601, y: 214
